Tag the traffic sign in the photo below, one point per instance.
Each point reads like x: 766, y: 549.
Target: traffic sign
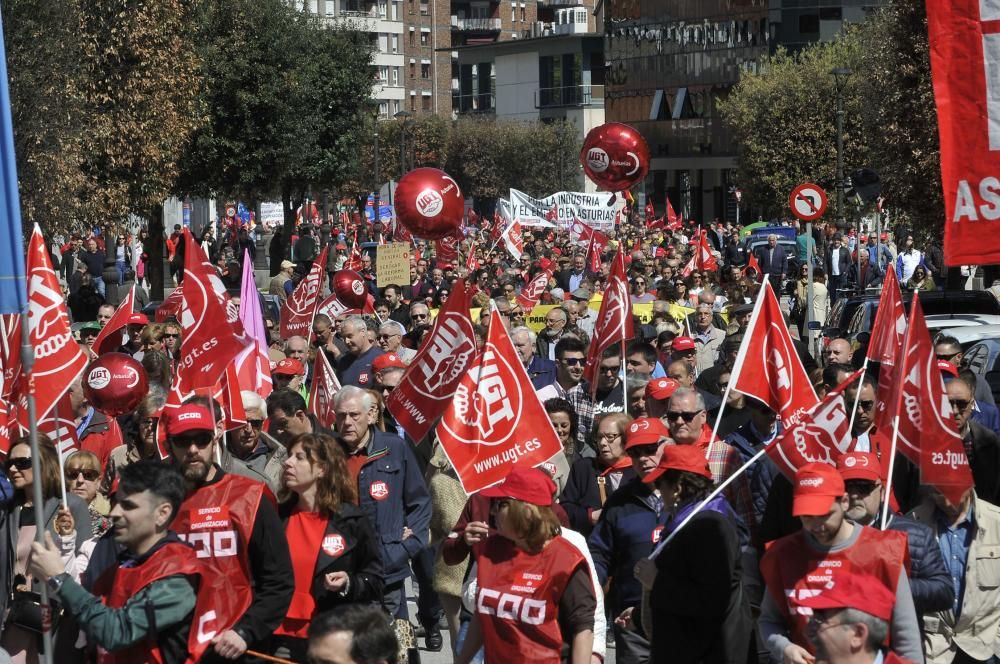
x: 808, y: 202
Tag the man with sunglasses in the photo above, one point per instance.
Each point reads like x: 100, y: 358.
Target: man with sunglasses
x: 627, y: 530
x: 982, y: 446
x: 609, y: 397
x: 948, y: 348
x: 420, y: 314
x: 930, y: 582
x: 390, y: 340
x: 231, y: 521
x: 571, y: 358
x: 260, y: 452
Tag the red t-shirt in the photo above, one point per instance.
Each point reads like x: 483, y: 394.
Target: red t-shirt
x: 304, y: 532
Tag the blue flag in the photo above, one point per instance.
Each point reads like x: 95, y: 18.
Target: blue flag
x: 13, y: 289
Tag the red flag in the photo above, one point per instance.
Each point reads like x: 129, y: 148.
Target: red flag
x: 927, y: 433
x: 10, y: 354
x: 60, y: 427
x: 594, y: 254
x: 614, y: 321
x: 581, y: 232
x: 821, y: 435
x: 59, y: 359
x: 354, y: 260
x: 495, y: 419
x: 430, y: 381
x: 298, y: 310
x: 171, y: 307
x: 649, y: 212
x: 513, y: 239
x: 674, y: 220
x: 228, y: 392
x: 655, y: 224
x: 963, y: 40
x: 213, y: 336
x: 885, y: 346
x: 110, y: 338
x: 752, y: 264
x: 532, y: 291
x: 324, y: 386
x: 446, y: 250
x: 702, y: 259
x: 8, y: 427
x: 767, y: 366
x: 472, y: 263
x: 401, y: 233
x: 553, y: 214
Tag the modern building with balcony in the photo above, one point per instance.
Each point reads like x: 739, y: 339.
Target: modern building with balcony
x: 383, y: 21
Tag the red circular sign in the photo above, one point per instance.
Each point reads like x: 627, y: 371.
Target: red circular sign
x: 808, y: 202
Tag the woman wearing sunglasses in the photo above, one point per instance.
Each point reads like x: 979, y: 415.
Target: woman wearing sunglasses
x: 83, y: 478
x: 21, y: 632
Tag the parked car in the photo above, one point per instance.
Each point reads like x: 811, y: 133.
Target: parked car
x: 983, y: 358
x: 947, y: 309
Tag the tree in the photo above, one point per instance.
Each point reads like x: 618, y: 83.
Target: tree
x: 784, y: 118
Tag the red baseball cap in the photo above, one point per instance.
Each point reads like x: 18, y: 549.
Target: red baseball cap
x: 682, y: 344
x: 544, y: 263
x: 855, y: 591
x: 190, y: 417
x: 524, y: 483
x: 815, y: 488
x: 661, y: 389
x: 689, y: 458
x: 946, y: 367
x: 138, y: 318
x: 645, y: 431
x: 860, y: 466
x: 289, y: 367
x: 386, y: 360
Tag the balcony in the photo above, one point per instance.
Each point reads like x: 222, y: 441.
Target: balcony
x: 475, y: 24
x: 569, y: 96
x: 565, y: 3
x: 475, y: 103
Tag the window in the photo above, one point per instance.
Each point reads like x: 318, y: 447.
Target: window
x: 413, y: 39
x: 395, y: 76
x: 425, y: 102
x: 809, y: 24
x: 383, y: 110
x: 413, y: 102
x: 523, y: 18
x: 425, y: 70
x: 423, y: 9
x: 395, y: 106
x: 413, y: 70
x: 395, y: 43
x: 383, y: 75
x: 424, y: 38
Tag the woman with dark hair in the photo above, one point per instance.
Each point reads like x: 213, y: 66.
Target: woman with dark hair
x: 157, y: 366
x: 701, y: 564
x: 68, y: 528
x: 592, y: 479
x: 335, y: 555
x: 564, y: 421
x: 921, y: 279
x: 529, y: 564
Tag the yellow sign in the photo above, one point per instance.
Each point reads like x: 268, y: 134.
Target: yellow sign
x: 392, y: 264
x: 536, y: 319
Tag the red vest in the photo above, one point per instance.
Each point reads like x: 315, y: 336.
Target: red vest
x: 217, y: 520
x: 792, y: 570
x: 119, y: 584
x: 518, y: 599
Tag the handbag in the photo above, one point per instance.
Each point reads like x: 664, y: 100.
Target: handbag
x: 26, y: 611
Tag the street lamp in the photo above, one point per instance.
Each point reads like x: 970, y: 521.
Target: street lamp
x: 840, y: 75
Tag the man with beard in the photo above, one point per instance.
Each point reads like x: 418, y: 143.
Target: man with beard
x: 609, y: 396
x: 261, y: 453
x: 231, y: 522
x: 817, y: 557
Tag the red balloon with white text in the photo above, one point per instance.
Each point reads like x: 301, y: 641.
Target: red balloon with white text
x: 615, y: 156
x: 115, y: 383
x: 350, y: 289
x: 429, y: 203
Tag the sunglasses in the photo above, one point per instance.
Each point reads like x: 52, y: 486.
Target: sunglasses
x: 175, y: 336
x: 419, y: 316
x: 859, y: 487
x: 256, y: 424
x: 959, y: 405
x: 201, y: 441
x: 641, y: 451
x: 866, y: 405
x: 687, y: 416
x: 88, y: 474
x: 21, y: 463
x: 612, y: 370
x: 573, y: 361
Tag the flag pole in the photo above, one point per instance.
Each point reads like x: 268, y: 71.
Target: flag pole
x: 27, y: 361
x: 857, y: 394
x: 892, y: 467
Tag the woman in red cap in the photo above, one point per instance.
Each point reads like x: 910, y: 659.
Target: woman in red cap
x: 699, y: 614
x: 534, y: 589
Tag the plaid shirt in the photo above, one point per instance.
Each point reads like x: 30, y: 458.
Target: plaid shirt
x: 724, y: 460
x: 587, y: 410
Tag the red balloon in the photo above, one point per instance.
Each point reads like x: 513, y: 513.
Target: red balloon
x: 429, y: 203
x: 115, y: 383
x: 350, y: 289
x: 615, y: 156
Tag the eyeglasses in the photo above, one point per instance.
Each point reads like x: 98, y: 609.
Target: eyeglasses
x: 88, y: 474
x: 386, y: 337
x: 866, y: 405
x: 819, y: 622
x: 201, y: 441
x: 573, y: 361
x: 419, y: 316
x: 860, y: 487
x: 947, y: 357
x: 256, y: 424
x: 21, y: 463
x: 613, y: 370
x: 174, y: 336
x: 959, y: 405
x: 642, y: 450
x: 610, y: 437
x: 687, y: 416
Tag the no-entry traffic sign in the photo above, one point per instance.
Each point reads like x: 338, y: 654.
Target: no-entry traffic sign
x: 808, y: 202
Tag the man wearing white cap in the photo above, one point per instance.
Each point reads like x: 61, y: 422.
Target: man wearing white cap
x: 282, y: 283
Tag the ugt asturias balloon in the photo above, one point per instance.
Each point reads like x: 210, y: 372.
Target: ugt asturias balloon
x: 429, y: 203
x: 350, y: 289
x: 115, y: 383
x: 615, y: 156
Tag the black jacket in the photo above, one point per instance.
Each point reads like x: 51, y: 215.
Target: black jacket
x: 930, y: 581
x: 843, y: 258
x: 359, y: 557
x: 985, y: 462
x: 581, y: 493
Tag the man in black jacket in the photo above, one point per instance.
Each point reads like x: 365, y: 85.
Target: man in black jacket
x: 930, y: 582
x: 981, y: 445
x: 838, y: 266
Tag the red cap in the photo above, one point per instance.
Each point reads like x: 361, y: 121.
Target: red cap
x: 386, y: 360
x: 682, y: 344
x: 646, y: 431
x: 530, y: 485
x: 544, y: 263
x: 884, y: 236
x: 661, y: 389
x: 289, y: 367
x: 191, y: 417
x: 689, y: 458
x: 946, y: 367
x: 859, y: 466
x: 815, y: 488
x: 854, y: 591
x: 138, y: 318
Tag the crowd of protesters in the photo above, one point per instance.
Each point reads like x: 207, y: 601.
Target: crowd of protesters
x: 315, y: 531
